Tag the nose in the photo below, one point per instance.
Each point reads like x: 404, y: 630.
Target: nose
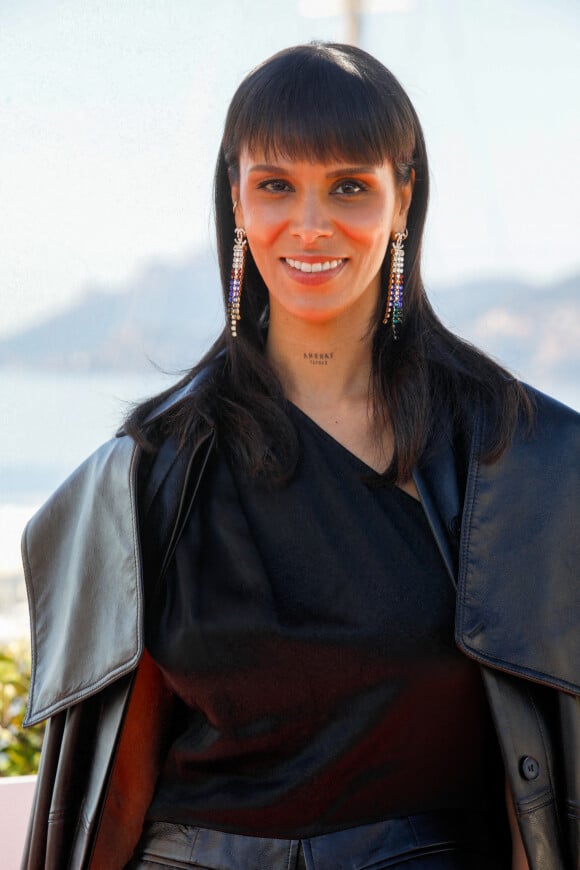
x: 310, y: 220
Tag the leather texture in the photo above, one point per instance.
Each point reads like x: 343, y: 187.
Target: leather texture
x: 75, y: 548
x: 508, y: 533
x: 445, y: 840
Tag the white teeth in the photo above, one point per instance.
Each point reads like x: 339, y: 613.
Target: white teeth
x: 313, y: 267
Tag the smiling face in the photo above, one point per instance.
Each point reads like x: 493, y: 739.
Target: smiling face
x: 318, y: 232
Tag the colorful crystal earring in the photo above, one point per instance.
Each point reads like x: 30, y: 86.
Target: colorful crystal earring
x: 236, y: 278
x: 393, y: 311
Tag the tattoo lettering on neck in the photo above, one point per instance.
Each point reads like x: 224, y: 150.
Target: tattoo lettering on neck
x: 318, y: 359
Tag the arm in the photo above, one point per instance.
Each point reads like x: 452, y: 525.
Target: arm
x: 519, y: 860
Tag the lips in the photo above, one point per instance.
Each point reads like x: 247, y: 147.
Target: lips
x: 321, y: 266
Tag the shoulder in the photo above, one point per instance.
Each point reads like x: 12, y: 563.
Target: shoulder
x: 541, y: 419
x: 107, y: 471
x: 80, y: 550
x: 552, y: 410
x: 518, y: 591
x: 83, y: 562
x: 554, y: 430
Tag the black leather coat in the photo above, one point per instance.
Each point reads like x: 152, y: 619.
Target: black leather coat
x: 510, y: 538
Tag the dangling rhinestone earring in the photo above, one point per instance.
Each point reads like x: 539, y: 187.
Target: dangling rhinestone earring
x: 393, y: 311
x: 236, y: 278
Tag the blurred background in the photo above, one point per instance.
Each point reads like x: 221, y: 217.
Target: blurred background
x: 110, y: 119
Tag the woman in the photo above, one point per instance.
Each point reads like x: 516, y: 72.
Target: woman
x: 260, y: 669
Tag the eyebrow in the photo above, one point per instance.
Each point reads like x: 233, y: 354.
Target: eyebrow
x: 345, y: 170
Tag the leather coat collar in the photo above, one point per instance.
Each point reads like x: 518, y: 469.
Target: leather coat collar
x: 515, y: 554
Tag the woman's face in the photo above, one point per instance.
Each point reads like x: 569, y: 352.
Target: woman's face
x: 318, y: 232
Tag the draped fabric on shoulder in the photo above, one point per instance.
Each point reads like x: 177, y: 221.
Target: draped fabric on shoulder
x: 518, y: 593
x: 80, y: 550
x: 82, y: 557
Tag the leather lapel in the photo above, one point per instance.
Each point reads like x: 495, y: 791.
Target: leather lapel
x: 518, y: 596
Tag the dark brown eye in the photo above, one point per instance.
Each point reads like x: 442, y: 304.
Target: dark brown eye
x: 349, y: 187
x: 275, y: 185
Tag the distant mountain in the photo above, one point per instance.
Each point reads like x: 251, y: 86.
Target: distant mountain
x: 534, y: 331
x: 170, y: 313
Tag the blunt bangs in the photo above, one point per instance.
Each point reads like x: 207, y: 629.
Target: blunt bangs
x: 318, y: 104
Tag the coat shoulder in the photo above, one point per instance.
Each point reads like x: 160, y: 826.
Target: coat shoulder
x: 552, y: 414
x: 83, y: 565
x: 82, y: 545
x: 518, y: 591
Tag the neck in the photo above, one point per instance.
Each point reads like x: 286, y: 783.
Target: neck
x: 321, y: 365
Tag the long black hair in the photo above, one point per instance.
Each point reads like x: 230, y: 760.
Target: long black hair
x: 326, y: 102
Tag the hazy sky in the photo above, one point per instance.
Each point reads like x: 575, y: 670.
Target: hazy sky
x: 110, y: 118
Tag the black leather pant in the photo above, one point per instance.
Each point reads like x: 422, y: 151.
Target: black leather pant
x: 433, y: 841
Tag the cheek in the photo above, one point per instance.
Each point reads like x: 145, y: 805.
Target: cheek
x: 263, y: 228
x: 370, y: 240
x: 370, y: 228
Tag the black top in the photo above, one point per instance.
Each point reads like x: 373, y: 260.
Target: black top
x: 308, y: 630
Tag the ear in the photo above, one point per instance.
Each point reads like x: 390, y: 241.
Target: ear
x: 404, y: 203
x: 238, y: 213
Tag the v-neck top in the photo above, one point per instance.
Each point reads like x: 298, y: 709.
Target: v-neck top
x: 307, y: 630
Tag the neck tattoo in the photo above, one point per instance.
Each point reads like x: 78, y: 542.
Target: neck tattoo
x: 318, y: 359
